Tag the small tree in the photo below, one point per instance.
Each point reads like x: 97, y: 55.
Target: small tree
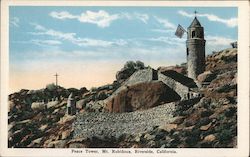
x: 130, y: 65
x: 139, y: 65
x: 129, y: 68
x: 51, y: 87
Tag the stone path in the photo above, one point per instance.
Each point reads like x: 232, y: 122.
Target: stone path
x: 102, y: 125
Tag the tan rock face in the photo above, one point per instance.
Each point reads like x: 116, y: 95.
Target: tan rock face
x: 209, y: 138
x: 38, y: 106
x: 52, y: 104
x: 205, y: 127
x: 179, y: 120
x: 11, y: 106
x: 168, y: 127
x: 66, y: 134
x: 66, y: 118
x: 140, y: 96
x: 43, y: 127
x: 38, y: 140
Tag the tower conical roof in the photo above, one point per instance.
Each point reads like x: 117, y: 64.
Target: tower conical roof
x: 195, y: 23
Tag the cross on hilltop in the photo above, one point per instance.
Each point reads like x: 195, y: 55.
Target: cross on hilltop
x: 56, y: 75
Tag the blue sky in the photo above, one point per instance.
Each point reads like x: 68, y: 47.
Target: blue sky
x: 57, y: 38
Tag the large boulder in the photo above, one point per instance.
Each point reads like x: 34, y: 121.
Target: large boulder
x: 52, y: 104
x: 38, y: 105
x: 140, y: 96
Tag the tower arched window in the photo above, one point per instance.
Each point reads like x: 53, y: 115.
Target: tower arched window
x: 193, y: 34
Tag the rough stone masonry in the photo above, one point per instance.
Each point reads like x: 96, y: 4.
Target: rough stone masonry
x: 195, y: 49
x: 107, y: 125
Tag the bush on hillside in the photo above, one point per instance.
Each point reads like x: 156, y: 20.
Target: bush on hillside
x: 51, y: 87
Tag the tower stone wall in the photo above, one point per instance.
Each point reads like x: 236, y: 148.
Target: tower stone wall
x: 195, y: 49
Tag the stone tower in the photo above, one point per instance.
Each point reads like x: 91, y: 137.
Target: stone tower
x: 71, y: 105
x: 195, y: 49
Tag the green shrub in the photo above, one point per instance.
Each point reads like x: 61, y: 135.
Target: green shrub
x: 51, y: 87
x: 230, y: 111
x: 225, y: 135
x: 139, y: 65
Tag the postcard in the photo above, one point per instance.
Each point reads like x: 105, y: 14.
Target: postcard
x: 124, y: 78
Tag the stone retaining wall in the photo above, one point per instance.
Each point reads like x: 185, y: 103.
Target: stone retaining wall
x: 90, y: 124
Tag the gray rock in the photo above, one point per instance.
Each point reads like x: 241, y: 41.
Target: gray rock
x: 80, y: 104
x: 38, y: 105
x: 57, y: 144
x: 52, y: 104
x: 151, y: 144
x: 149, y: 137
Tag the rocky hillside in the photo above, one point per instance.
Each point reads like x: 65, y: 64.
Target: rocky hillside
x: 208, y: 121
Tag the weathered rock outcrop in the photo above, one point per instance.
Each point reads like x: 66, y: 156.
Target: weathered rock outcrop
x: 145, y: 89
x: 140, y: 96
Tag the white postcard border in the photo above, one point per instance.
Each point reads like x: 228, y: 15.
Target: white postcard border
x: 243, y: 80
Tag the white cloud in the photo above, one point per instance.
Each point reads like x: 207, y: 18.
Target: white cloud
x: 100, y: 18
x: 165, y: 23
x: 62, y: 15
x: 71, y: 37
x: 163, y: 30
x: 143, y: 17
x: 38, y: 27
x: 146, y: 54
x: 130, y: 16
x: 219, y: 41
x: 14, y: 21
x: 91, y: 42
x: 46, y: 42
x: 232, y: 22
x: 44, y: 31
x: 169, y: 40
x: 183, y: 13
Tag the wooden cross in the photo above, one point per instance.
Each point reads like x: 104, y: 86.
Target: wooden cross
x: 195, y: 12
x: 56, y: 75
